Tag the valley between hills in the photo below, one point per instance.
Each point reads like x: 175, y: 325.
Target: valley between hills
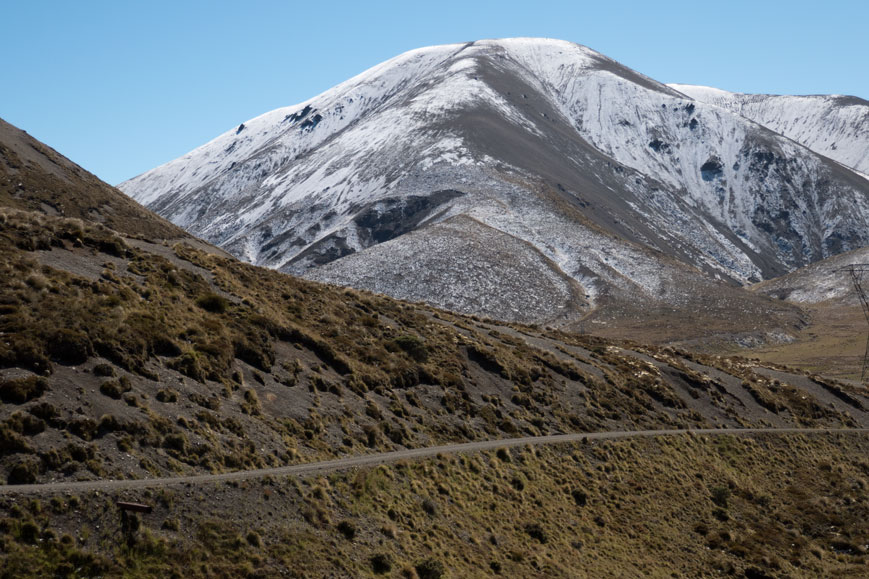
x: 659, y: 413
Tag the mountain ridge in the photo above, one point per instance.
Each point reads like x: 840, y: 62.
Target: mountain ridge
x: 545, y: 141
x: 811, y: 120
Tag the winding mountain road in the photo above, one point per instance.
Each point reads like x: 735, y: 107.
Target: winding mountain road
x: 394, y: 456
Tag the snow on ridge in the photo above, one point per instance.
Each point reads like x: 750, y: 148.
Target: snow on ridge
x: 397, y: 98
x: 198, y: 166
x: 830, y: 125
x: 700, y: 92
x: 689, y: 134
x: 353, y: 98
x: 674, y: 148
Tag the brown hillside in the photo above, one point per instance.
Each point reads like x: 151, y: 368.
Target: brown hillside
x: 123, y: 356
x: 35, y: 177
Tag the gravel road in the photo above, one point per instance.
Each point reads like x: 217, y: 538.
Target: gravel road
x: 368, y: 460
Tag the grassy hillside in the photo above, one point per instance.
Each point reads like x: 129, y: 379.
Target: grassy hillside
x: 125, y: 354
x: 770, y: 506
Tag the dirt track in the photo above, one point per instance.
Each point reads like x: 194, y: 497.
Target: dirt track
x: 387, y: 457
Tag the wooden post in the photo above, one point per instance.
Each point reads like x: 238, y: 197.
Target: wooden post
x: 130, y: 521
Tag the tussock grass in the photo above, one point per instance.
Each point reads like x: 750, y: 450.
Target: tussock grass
x: 680, y: 505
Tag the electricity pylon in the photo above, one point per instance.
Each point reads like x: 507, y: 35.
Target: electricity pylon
x: 856, y: 272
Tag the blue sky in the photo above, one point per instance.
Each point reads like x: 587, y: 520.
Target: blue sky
x: 122, y: 86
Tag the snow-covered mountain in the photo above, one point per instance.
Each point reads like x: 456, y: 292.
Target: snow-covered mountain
x: 835, y: 126
x: 526, y: 179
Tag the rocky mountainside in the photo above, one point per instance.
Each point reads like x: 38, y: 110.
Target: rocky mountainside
x: 525, y: 179
x: 835, y: 126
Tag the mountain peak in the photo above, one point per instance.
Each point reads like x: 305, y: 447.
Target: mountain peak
x: 620, y: 189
